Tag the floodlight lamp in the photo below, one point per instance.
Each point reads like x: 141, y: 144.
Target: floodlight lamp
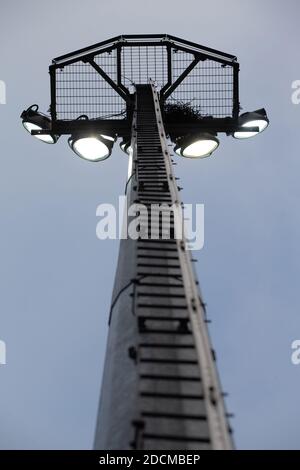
x: 91, y: 147
x: 257, y: 119
x: 199, y: 145
x: 33, y: 120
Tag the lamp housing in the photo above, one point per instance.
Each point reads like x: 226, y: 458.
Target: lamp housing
x: 200, y: 145
x: 257, y: 119
x: 33, y: 120
x: 91, y: 147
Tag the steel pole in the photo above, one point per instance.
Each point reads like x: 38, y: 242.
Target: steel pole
x: 160, y: 385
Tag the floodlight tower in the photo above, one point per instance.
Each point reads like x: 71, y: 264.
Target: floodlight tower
x: 160, y: 384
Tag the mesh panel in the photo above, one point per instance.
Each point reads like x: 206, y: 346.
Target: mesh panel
x: 208, y: 88
x: 180, y: 62
x: 140, y: 63
x: 81, y: 90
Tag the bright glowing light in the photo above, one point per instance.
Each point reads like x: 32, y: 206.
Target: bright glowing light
x: 262, y: 124
x: 90, y: 148
x: 29, y: 126
x: 200, y: 148
x: 108, y: 137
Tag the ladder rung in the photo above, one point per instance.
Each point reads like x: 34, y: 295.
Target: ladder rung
x: 170, y: 437
x: 166, y: 346
x: 154, y: 414
x: 170, y: 378
x: 169, y: 361
x: 174, y: 396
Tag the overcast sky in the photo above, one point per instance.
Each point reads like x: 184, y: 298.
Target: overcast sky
x: 56, y: 277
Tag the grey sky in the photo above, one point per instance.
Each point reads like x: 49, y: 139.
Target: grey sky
x: 56, y: 277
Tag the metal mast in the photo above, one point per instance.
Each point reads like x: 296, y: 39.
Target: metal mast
x: 160, y: 386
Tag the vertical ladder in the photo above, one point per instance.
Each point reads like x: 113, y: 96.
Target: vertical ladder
x: 171, y: 395
x: 174, y: 397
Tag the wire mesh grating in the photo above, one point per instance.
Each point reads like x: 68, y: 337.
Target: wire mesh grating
x: 208, y: 88
x: 142, y: 63
x: 80, y: 90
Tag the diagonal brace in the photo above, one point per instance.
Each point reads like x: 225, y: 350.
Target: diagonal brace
x: 101, y: 72
x: 180, y: 79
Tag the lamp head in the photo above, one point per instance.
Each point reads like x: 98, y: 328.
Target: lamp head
x: 33, y: 120
x: 257, y: 119
x: 92, y: 147
x: 199, y: 145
